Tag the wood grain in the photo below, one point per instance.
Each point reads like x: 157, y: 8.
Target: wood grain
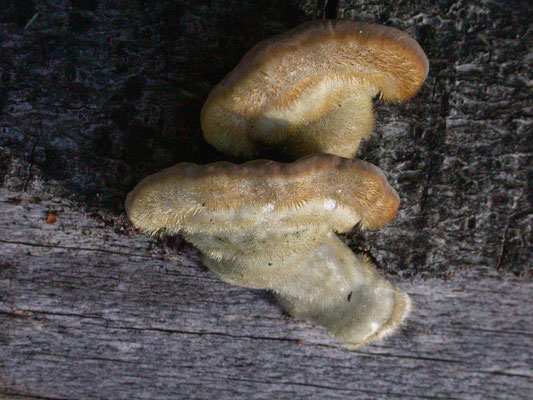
x: 87, y: 312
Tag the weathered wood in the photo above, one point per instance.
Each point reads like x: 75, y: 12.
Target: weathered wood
x: 88, y: 312
x: 94, y: 95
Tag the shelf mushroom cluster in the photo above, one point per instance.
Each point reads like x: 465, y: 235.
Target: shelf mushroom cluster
x: 271, y: 225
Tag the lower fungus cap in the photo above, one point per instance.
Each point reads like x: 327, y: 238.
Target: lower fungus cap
x: 313, y: 191
x: 310, y: 89
x: 270, y: 225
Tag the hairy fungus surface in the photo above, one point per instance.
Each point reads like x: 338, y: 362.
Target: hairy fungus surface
x: 310, y: 90
x: 271, y: 225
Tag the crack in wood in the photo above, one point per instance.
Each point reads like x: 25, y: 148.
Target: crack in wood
x: 503, y: 244
x: 53, y: 246
x: 105, y: 359
x: 444, y: 360
x: 502, y: 373
x: 334, y: 388
x: 327, y: 9
x: 32, y: 155
x: 15, y: 394
x: 149, y: 329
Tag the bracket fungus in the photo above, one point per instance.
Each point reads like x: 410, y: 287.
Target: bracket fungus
x: 310, y: 89
x: 271, y: 225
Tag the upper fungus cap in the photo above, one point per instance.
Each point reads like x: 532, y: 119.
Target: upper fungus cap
x: 301, y: 80
x: 321, y: 190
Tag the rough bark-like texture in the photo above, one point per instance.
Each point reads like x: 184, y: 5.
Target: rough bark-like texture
x: 459, y: 154
x: 97, y: 94
x: 94, y: 95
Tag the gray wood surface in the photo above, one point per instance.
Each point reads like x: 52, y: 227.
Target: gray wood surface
x: 89, y: 312
x: 96, y: 94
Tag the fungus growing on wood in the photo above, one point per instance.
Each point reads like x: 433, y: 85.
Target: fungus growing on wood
x: 272, y: 226
x: 310, y: 90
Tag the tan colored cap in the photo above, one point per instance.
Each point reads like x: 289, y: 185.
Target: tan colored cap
x: 220, y: 197
x: 310, y: 89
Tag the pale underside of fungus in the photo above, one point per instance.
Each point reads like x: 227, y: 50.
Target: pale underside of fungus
x: 310, y: 90
x: 273, y: 226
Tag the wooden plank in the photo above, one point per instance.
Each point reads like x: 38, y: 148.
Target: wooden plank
x: 94, y: 95
x: 88, y: 312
